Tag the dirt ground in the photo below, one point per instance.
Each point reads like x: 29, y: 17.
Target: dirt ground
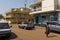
x: 37, y: 34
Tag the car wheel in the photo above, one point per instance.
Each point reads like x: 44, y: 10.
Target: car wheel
x: 8, y: 35
x: 28, y: 28
x: 33, y: 27
x: 23, y: 27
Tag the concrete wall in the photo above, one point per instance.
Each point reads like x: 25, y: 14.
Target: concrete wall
x: 56, y: 5
x: 47, y: 5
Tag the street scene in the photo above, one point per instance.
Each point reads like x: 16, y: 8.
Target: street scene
x: 30, y: 20
x: 37, y: 34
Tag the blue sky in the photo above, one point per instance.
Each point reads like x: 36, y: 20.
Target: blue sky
x: 6, y: 5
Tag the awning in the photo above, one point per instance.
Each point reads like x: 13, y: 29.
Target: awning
x: 37, y: 12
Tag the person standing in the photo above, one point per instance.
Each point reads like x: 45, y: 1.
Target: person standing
x: 47, y: 30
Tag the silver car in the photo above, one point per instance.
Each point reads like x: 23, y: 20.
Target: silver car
x: 30, y: 25
x: 54, y: 26
x: 26, y: 25
x: 22, y: 25
x: 5, y: 29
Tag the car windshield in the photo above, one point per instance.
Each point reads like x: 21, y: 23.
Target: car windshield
x: 22, y: 22
x: 52, y: 23
x: 4, y: 26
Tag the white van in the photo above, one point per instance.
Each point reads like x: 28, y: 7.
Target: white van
x: 54, y: 26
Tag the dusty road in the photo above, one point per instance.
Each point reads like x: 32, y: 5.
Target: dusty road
x: 36, y: 34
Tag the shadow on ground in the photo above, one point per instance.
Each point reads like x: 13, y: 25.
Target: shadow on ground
x: 55, y: 32
x: 13, y: 36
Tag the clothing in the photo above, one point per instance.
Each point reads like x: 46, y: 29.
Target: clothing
x: 30, y: 22
x: 47, y: 30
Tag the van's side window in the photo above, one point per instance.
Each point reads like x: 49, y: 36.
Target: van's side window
x: 58, y: 24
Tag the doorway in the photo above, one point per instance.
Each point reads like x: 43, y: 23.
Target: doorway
x: 37, y: 19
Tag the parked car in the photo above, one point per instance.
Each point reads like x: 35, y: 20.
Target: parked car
x: 26, y: 25
x: 30, y: 25
x: 54, y: 26
x: 22, y: 24
x: 5, y: 29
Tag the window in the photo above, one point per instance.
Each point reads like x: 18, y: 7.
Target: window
x: 34, y: 7
x: 4, y: 25
x: 44, y: 18
x: 58, y: 24
x: 52, y: 18
x: 52, y: 23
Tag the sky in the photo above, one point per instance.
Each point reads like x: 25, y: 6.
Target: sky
x: 6, y: 5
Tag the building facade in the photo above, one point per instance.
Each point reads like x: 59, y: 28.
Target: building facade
x: 45, y: 10
x: 16, y: 15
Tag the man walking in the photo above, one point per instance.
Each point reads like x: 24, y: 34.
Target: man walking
x: 47, y: 30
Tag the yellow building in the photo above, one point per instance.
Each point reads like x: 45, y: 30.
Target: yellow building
x: 16, y: 15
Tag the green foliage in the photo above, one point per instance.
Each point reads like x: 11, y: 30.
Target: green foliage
x: 1, y: 16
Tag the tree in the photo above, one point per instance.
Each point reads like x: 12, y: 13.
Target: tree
x: 1, y: 16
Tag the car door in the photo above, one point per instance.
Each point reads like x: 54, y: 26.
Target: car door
x: 52, y: 26
x: 58, y: 27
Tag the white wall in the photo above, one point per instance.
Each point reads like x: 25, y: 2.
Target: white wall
x: 47, y: 5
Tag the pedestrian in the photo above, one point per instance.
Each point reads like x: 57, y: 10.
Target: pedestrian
x: 47, y: 30
x: 29, y: 21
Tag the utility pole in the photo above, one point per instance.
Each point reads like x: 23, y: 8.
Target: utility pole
x: 25, y: 3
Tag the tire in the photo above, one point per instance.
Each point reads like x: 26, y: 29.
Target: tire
x: 25, y: 28
x: 28, y: 28
x: 8, y: 35
x: 33, y: 27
